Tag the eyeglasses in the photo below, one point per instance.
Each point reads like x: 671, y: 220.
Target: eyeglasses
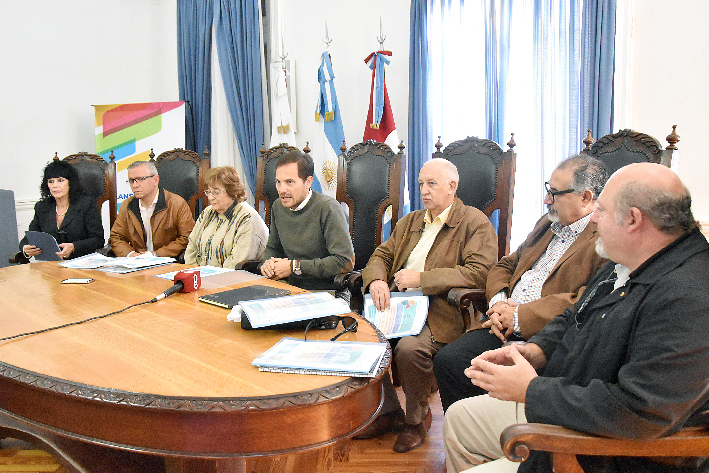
x: 133, y: 180
x: 349, y: 324
x: 215, y: 192
x: 554, y: 193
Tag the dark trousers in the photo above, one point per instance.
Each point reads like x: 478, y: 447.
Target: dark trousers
x: 451, y: 360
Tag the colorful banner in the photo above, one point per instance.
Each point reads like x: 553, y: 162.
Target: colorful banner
x: 380, y: 125
x: 131, y: 130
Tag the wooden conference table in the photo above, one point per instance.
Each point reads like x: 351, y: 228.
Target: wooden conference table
x: 165, y: 387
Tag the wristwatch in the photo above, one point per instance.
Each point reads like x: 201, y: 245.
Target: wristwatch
x: 295, y: 267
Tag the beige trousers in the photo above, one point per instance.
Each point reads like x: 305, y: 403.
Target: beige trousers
x: 471, y: 434
x: 414, y: 365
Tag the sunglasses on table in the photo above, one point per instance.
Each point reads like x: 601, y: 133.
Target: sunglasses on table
x: 349, y: 324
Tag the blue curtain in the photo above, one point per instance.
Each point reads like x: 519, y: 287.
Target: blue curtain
x: 420, y: 144
x: 598, y: 66
x: 236, y: 28
x: 194, y: 59
x: 497, y: 62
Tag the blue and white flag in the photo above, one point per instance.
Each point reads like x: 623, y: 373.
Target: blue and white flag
x: 329, y: 135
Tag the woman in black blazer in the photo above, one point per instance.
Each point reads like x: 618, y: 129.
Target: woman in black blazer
x: 65, y: 213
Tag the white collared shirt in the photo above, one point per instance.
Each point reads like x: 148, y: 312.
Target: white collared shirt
x: 305, y: 201
x: 417, y: 259
x: 145, y: 214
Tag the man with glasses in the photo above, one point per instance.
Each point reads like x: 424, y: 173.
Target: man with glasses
x: 545, y: 276
x: 153, y: 220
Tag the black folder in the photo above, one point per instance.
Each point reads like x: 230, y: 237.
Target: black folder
x: 232, y: 297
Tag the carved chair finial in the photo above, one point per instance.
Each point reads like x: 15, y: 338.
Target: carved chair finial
x: 205, y: 153
x: 343, y: 148
x: 438, y: 144
x: 306, y: 149
x: 263, y: 149
x: 152, y: 156
x: 512, y: 143
x: 673, y: 138
x: 111, y: 156
x: 588, y: 141
x: 401, y: 146
x: 56, y: 156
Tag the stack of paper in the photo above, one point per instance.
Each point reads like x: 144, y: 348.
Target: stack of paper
x: 116, y: 265
x: 339, y: 358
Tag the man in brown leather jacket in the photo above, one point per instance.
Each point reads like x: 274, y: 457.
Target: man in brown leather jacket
x: 166, y: 215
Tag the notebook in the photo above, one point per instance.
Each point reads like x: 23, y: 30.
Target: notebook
x: 232, y: 297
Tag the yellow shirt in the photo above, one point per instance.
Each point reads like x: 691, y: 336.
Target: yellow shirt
x: 417, y: 259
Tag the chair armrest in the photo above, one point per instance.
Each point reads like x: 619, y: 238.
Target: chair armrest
x: 519, y: 439
x: 106, y: 251
x: 251, y: 266
x: 353, y: 282
x: 464, y: 297
x: 18, y: 258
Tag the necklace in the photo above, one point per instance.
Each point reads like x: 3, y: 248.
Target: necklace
x: 63, y: 214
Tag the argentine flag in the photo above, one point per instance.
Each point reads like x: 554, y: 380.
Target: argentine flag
x: 329, y: 135
x: 380, y: 125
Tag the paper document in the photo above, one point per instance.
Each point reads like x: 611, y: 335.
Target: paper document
x: 406, y: 314
x: 46, y: 243
x: 339, y: 358
x: 280, y: 310
x: 116, y: 265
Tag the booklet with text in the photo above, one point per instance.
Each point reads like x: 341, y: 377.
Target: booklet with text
x: 405, y: 315
x: 294, y: 308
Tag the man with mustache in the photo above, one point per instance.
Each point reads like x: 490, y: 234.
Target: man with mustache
x: 309, y: 240
x: 629, y: 360
x: 546, y: 275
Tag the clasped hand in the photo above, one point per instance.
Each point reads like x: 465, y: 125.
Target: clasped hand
x: 505, y: 373
x: 276, y: 268
x: 501, y: 321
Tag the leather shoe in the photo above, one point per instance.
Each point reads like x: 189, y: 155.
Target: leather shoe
x: 412, y: 436
x: 391, y: 422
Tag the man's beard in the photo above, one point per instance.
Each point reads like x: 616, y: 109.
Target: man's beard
x: 600, y: 249
x: 552, y: 214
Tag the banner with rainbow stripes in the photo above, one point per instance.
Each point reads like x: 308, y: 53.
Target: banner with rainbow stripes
x: 131, y: 130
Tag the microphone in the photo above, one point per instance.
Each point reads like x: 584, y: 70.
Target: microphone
x: 185, y: 281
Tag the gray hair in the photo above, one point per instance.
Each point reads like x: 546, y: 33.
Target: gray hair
x: 669, y: 212
x: 589, y: 173
x: 148, y: 164
x: 449, y: 167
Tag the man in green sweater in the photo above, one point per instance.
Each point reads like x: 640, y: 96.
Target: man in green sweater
x: 309, y: 240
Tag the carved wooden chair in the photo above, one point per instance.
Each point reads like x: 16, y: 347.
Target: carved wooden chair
x: 98, y: 178
x: 487, y: 179
x: 369, y: 180
x: 266, y: 192
x: 182, y: 172
x: 627, y: 146
x: 564, y: 444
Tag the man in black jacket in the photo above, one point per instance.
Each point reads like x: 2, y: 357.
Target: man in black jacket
x: 629, y: 360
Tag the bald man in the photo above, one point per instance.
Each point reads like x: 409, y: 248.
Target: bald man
x: 448, y: 244
x: 629, y: 360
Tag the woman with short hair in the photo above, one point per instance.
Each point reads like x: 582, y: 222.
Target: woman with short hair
x: 229, y: 231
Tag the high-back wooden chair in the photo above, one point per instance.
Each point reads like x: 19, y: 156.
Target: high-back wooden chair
x: 487, y: 180
x: 182, y: 172
x: 266, y: 193
x: 627, y: 146
x: 98, y: 178
x: 369, y: 180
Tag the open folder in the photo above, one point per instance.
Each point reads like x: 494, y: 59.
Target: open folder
x: 46, y: 243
